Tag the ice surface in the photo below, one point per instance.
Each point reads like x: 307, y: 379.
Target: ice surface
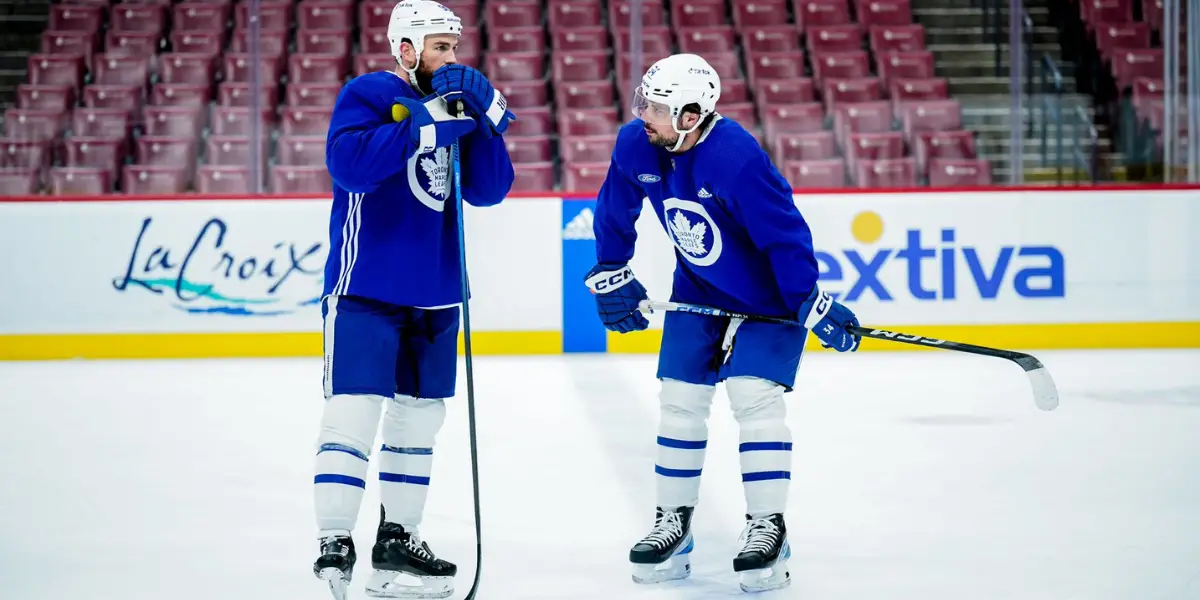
x: 916, y: 476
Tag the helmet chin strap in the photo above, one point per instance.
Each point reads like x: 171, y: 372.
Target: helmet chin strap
x: 412, y: 73
x: 682, y: 134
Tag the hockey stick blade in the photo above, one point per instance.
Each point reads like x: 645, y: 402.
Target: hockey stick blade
x: 1045, y: 392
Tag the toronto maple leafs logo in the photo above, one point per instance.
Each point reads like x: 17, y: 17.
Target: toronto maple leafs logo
x: 430, y: 183
x: 693, y: 231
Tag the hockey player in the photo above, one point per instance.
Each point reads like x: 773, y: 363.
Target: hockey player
x: 393, y: 289
x: 743, y: 246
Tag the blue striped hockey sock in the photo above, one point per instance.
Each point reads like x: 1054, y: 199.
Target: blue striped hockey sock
x: 404, y: 482
x: 682, y: 442
x: 766, y: 458
x: 338, y: 486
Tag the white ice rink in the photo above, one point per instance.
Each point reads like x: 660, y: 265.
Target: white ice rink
x: 926, y: 476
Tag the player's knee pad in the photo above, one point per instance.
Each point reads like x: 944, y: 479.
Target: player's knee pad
x: 685, y: 402
x: 413, y: 422
x: 755, y: 399
x: 351, y: 420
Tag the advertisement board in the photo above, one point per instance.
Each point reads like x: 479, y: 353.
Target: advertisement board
x: 195, y: 277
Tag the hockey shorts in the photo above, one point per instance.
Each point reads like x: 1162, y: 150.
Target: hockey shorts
x: 693, y: 350
x: 377, y: 348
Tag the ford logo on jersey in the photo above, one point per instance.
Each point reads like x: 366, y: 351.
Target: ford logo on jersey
x: 213, y: 272
x: 946, y: 269
x: 693, y: 231
x: 648, y: 178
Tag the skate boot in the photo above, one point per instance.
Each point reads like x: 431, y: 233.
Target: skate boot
x: 664, y: 554
x: 336, y: 564
x: 405, y: 567
x: 762, y: 563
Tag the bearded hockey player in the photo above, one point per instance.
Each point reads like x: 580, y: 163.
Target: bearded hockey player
x: 393, y: 289
x: 743, y: 246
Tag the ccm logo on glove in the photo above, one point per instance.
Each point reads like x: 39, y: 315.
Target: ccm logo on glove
x: 605, y: 282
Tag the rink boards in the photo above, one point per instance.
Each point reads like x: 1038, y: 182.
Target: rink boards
x: 216, y: 277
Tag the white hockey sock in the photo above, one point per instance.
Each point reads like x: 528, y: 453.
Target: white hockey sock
x: 765, y: 448
x: 406, y: 459
x: 347, y: 430
x: 682, y: 442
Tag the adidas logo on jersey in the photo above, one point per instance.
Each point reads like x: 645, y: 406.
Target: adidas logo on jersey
x: 703, y: 193
x: 580, y: 227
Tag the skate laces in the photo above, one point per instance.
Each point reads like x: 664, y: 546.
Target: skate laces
x: 414, y: 544
x: 667, y: 529
x: 759, y: 535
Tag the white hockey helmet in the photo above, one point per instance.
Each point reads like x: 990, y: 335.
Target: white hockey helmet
x: 673, y: 83
x: 413, y: 20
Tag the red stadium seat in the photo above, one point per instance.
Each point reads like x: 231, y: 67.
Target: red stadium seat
x: 232, y: 151
x: 56, y: 69
x: 580, y: 66
x: 698, y: 13
x: 594, y: 121
x: 834, y: 38
x: 514, y: 13
x: 373, y: 15
x: 180, y: 94
x: 584, y: 177
x: 70, y: 43
x: 80, y: 181
x: 198, y: 15
x: 373, y: 42
x: 774, y: 65
x: 101, y: 123
x: 300, y: 180
x: 141, y: 44
x: 620, y: 13
x: 19, y: 181
x: 121, y: 70
x: 896, y: 38
x: 44, y: 97
x: 306, y: 120
x: 587, y: 148
x: 840, y: 65
x: 273, y: 15
x: 369, y: 63
x: 874, y: 146
x: 194, y: 69
x: 316, y: 68
x: 931, y: 115
x: 884, y: 12
x: 217, y: 179
x: 817, y: 145
x: 24, y: 154
x: 313, y: 94
x: 755, y: 13
x: 960, y: 173
x: 301, y: 150
x: 237, y: 120
x: 528, y: 149
x: 240, y: 67
x: 333, y: 43
x: 890, y: 173
x: 128, y: 17
x: 236, y: 93
x: 826, y: 173
x: 819, y: 13
x: 124, y: 97
x: 172, y: 121
x: 932, y: 145
x: 583, y: 39
x: 589, y: 94
x: 904, y: 91
x: 861, y: 89
x: 533, y: 121
x: 575, y: 14
x: 656, y: 40
x: 864, y: 117
x: 533, y: 177
x: 331, y: 16
x: 76, y: 17
x: 702, y: 40
x: 771, y: 38
x: 166, y: 151
x: 1128, y: 64
x: 800, y: 117
x: 524, y: 94
x: 517, y: 39
x: 783, y: 91
x: 33, y: 125
x: 905, y: 65
x: 518, y: 66
x: 192, y: 42
x: 142, y: 179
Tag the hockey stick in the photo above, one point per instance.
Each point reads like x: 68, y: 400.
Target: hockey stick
x: 1045, y: 393
x: 456, y: 166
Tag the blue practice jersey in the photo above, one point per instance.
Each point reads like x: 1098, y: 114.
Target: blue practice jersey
x: 393, y: 230
x: 740, y: 242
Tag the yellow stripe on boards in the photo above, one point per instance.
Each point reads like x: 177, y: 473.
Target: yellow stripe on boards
x: 236, y: 345
x: 1057, y: 336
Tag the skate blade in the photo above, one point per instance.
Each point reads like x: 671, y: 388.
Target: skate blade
x: 391, y: 584
x: 674, y: 568
x: 773, y: 577
x: 336, y: 581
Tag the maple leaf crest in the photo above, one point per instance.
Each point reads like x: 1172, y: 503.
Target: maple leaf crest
x: 437, y: 170
x: 689, y: 238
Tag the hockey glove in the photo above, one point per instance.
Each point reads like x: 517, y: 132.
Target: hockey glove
x: 481, y: 98
x: 617, y: 296
x: 828, y: 319
x: 430, y: 122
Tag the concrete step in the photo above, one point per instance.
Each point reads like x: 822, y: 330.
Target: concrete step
x: 33, y: 8
x: 975, y: 35
x: 977, y: 53
x: 974, y: 17
x: 14, y: 60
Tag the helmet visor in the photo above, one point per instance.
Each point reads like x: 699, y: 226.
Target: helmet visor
x: 654, y: 113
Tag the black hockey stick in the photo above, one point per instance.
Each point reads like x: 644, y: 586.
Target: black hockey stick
x: 456, y: 166
x: 1045, y: 393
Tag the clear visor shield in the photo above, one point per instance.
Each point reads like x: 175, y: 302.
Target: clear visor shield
x: 654, y: 113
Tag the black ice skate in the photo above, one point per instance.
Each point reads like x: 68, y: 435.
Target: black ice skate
x: 405, y: 567
x: 336, y: 564
x: 762, y: 562
x: 665, y: 553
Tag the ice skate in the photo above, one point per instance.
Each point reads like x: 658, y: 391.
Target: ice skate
x: 335, y: 566
x: 405, y: 567
x: 665, y: 553
x: 762, y: 562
